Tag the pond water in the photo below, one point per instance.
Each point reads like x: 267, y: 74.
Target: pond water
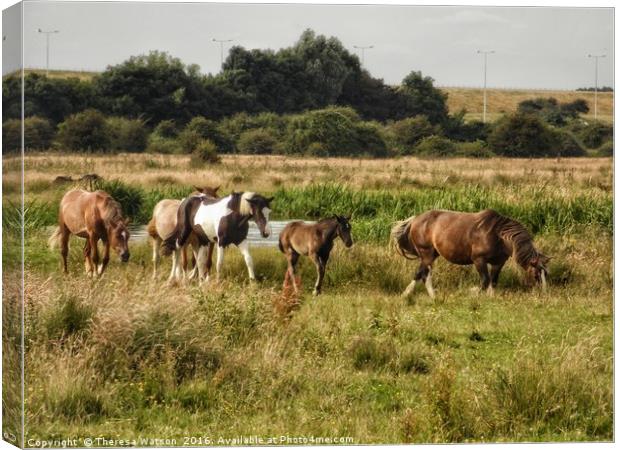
x: 139, y: 234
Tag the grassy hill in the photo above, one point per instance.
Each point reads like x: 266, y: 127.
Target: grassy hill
x: 501, y: 101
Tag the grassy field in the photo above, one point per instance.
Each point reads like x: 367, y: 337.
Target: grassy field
x: 501, y: 101
x: 127, y: 356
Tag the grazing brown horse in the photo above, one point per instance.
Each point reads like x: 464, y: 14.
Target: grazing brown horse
x: 92, y: 216
x: 313, y: 240
x: 482, y: 239
x: 163, y: 223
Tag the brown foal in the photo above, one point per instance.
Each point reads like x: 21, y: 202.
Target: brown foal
x: 313, y: 240
x: 93, y: 216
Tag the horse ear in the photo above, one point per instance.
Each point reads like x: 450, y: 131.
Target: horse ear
x: 215, y: 189
x: 199, y: 189
x: 269, y: 199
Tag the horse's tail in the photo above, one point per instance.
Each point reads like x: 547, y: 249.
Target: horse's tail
x: 151, y: 228
x: 183, y: 228
x: 54, y: 238
x: 399, y: 238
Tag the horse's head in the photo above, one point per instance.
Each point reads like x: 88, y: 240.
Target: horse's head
x: 537, y: 270
x: 344, y: 230
x: 119, y: 239
x: 208, y: 191
x: 260, y: 213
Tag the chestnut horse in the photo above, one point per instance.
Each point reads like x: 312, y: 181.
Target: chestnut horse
x: 92, y: 216
x: 313, y: 240
x: 162, y: 225
x: 482, y: 239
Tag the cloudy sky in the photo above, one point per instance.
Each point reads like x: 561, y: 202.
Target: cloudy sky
x: 534, y: 47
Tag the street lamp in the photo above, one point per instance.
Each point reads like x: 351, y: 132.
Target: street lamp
x: 596, y: 57
x: 484, y: 95
x: 221, y: 42
x: 47, y: 47
x: 363, y: 48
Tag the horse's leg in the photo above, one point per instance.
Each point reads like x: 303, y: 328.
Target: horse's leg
x: 219, y: 262
x: 209, y: 261
x: 156, y: 245
x: 292, y: 257
x: 244, y: 248
x: 320, y: 272
x: 424, y: 274
x: 483, y: 271
x: 201, y: 262
x: 88, y: 264
x: 173, y: 270
x: 64, y: 246
x: 94, y: 252
x: 495, y: 270
x: 184, y: 259
x: 106, y: 257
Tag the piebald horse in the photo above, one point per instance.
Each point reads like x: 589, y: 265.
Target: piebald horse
x: 93, y: 216
x: 313, y: 240
x: 482, y: 239
x: 223, y: 221
x: 163, y: 223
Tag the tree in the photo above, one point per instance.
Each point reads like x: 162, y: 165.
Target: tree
x: 521, y: 135
x: 85, y: 131
x: 423, y: 98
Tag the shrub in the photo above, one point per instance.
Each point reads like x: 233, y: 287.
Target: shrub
x: 407, y: 133
x: 455, y: 128
x: 607, y: 149
x: 370, y: 141
x: 236, y: 125
x: 436, y: 146
x: 593, y: 134
x: 521, y: 135
x: 158, y: 144
x: 38, y: 134
x: 12, y: 135
x: 257, y: 142
x: 317, y: 149
x: 477, y: 149
x: 166, y: 129
x: 128, y: 135
x: 565, y: 144
x: 205, y: 153
x: 85, y: 131
x: 199, y: 129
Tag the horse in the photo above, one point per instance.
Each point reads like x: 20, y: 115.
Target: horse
x: 162, y: 225
x: 313, y: 240
x: 223, y: 221
x: 482, y: 239
x: 92, y: 216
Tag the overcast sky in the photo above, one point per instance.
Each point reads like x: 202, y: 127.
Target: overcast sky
x: 535, y: 47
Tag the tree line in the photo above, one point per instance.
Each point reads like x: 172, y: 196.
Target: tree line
x: 311, y: 98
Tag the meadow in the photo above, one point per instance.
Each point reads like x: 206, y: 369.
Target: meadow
x: 127, y: 356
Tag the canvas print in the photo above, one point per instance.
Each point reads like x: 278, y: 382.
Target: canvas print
x: 299, y: 224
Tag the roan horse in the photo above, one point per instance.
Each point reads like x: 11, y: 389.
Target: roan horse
x: 224, y: 221
x: 162, y: 225
x: 313, y: 240
x: 92, y: 216
x: 484, y: 238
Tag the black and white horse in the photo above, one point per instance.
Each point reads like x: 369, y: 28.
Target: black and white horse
x: 223, y: 221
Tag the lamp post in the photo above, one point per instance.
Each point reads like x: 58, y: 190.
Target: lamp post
x: 484, y: 95
x: 221, y: 42
x: 47, y: 47
x: 596, y: 57
x: 363, y: 48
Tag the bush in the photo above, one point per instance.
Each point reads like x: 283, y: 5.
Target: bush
x: 85, y: 131
x: 158, y: 144
x: 257, y: 142
x: 205, y: 153
x: 407, y: 133
x: 236, y: 125
x: 436, y: 146
x: 38, y: 134
x: 370, y: 141
x: 166, y: 129
x: 199, y: 129
x: 607, y: 149
x: 455, y: 128
x: 521, y: 135
x: 566, y: 144
x: 592, y: 134
x: 129, y: 135
x: 477, y: 149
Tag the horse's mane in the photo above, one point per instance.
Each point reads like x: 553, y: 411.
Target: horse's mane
x: 511, y: 232
x: 112, y: 212
x: 239, y: 202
